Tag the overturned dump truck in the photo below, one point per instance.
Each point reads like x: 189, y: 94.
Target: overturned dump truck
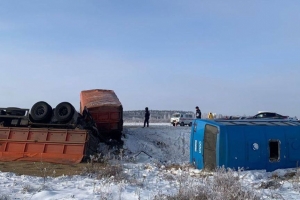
x: 59, y: 135
x: 106, y: 109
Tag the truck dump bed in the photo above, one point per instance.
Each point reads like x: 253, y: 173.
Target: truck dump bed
x: 106, y: 110
x: 66, y: 146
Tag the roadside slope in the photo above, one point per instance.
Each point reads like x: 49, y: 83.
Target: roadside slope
x: 167, y: 144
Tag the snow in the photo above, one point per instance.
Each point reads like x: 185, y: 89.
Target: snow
x: 146, y: 158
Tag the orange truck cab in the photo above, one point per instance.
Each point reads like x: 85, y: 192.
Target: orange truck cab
x: 106, y: 110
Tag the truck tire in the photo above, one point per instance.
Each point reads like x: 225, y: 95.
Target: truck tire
x: 41, y: 112
x: 64, y: 111
x: 182, y: 124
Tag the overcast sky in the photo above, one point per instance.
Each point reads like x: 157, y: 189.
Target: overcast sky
x: 228, y: 57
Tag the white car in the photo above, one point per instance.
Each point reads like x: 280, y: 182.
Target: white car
x: 182, y: 119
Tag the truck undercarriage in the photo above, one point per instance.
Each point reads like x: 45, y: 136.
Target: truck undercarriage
x: 44, y: 134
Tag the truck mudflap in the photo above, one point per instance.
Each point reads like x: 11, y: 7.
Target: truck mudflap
x: 65, y: 146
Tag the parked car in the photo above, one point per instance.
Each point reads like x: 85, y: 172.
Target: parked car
x: 182, y: 119
x: 271, y: 115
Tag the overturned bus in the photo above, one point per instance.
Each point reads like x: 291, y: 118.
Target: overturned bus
x: 247, y: 144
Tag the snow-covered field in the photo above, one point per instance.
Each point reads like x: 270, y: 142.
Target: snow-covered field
x: 154, y: 163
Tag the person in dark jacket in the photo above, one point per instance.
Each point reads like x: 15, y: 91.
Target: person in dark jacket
x: 147, y: 116
x: 198, y: 113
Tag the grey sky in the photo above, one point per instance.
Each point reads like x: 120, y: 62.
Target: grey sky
x: 229, y: 57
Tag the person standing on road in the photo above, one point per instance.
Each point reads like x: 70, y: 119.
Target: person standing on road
x: 147, y: 116
x: 198, y: 113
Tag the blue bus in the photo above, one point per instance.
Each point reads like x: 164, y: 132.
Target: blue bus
x: 247, y: 144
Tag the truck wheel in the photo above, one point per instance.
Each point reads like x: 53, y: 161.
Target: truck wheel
x: 2, y: 112
x: 182, y: 124
x: 64, y: 111
x: 41, y: 111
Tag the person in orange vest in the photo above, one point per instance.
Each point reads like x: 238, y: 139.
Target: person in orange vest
x: 210, y: 116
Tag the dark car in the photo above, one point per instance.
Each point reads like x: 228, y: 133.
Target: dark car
x: 268, y: 115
